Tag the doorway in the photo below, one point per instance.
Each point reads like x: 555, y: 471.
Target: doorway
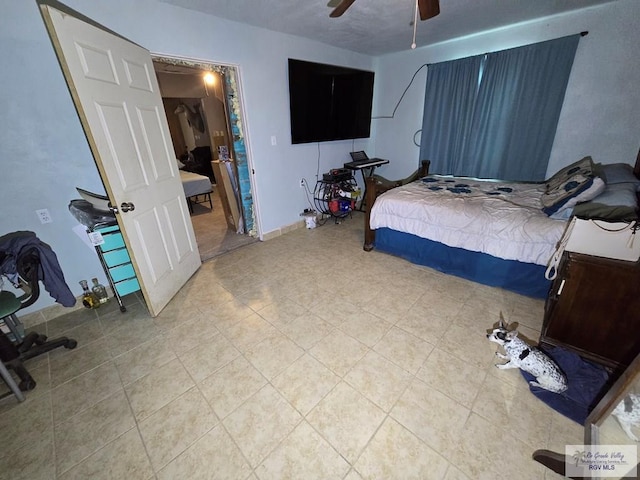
x: 202, y: 105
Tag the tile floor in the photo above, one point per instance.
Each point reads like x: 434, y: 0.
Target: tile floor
x: 298, y: 358
x: 212, y: 233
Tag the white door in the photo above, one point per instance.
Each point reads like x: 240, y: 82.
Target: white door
x: 115, y: 90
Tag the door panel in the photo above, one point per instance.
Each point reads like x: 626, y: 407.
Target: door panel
x: 116, y: 93
x: 180, y: 242
x: 117, y: 130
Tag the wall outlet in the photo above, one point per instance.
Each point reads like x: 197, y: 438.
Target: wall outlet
x: 302, y: 183
x: 44, y: 216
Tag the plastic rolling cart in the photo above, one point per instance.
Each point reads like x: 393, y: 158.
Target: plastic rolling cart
x: 103, y: 229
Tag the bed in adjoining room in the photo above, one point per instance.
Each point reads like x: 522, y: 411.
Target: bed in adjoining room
x: 497, y: 233
x: 194, y: 186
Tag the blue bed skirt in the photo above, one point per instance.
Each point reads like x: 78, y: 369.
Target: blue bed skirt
x: 523, y: 278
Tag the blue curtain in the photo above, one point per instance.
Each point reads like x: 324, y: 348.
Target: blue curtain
x: 514, y: 110
x: 449, y: 103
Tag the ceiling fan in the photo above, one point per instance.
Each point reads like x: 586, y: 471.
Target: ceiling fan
x: 428, y: 8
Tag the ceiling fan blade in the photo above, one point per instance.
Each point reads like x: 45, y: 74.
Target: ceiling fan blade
x: 341, y: 8
x: 428, y: 8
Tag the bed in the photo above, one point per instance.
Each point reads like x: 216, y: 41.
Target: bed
x: 496, y: 233
x: 194, y: 186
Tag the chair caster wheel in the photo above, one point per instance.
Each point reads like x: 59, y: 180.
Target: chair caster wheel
x: 71, y: 344
x: 27, y: 385
x: 123, y: 309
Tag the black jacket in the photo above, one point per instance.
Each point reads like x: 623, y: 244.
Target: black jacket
x: 17, y: 244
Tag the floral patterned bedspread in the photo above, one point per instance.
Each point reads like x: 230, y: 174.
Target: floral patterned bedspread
x: 503, y: 219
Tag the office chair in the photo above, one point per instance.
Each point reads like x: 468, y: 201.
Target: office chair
x: 15, y: 346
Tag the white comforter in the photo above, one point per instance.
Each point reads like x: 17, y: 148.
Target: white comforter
x: 501, y: 219
x: 194, y: 184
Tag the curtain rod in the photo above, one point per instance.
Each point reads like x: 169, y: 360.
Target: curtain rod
x: 582, y: 34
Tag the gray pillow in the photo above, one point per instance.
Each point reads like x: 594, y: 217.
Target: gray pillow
x: 617, y: 202
x: 615, y: 173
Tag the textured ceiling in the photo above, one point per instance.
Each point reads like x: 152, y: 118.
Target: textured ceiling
x: 376, y: 27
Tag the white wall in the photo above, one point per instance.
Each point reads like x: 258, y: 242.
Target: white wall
x: 44, y: 152
x: 601, y: 112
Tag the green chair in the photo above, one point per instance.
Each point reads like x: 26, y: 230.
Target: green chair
x: 8, y: 308
x: 22, y: 257
x: 16, y: 347
x: 9, y: 305
x: 11, y: 383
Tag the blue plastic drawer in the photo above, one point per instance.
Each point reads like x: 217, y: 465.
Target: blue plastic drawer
x: 111, y: 228
x: 112, y: 241
x: 128, y: 286
x: 116, y: 257
x: 123, y: 272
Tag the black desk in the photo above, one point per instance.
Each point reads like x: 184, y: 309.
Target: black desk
x: 366, y: 167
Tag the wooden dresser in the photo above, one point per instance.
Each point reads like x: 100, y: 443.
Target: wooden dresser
x: 593, y: 308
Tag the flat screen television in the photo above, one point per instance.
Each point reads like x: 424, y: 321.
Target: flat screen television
x: 328, y: 102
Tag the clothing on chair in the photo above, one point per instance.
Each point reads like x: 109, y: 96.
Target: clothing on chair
x: 15, y: 244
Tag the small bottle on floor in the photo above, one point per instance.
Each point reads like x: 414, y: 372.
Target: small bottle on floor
x: 100, y: 291
x: 89, y: 299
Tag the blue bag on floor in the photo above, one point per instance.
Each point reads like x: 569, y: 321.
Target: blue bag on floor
x: 586, y: 384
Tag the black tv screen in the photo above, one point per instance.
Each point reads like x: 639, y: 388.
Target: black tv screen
x: 329, y: 102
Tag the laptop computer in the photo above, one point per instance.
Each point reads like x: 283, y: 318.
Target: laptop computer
x: 360, y: 156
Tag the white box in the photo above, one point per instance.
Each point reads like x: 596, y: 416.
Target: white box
x: 618, y: 240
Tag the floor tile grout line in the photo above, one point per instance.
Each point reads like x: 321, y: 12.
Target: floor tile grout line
x: 137, y: 425
x: 95, y: 451
x: 220, y: 420
x: 53, y: 429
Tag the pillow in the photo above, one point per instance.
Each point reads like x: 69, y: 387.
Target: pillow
x: 578, y: 188
x: 584, y: 166
x: 564, y: 214
x: 598, y: 171
x: 619, y: 173
x: 618, y: 202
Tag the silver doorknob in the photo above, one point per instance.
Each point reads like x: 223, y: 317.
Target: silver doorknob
x: 112, y: 209
x: 127, y: 206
